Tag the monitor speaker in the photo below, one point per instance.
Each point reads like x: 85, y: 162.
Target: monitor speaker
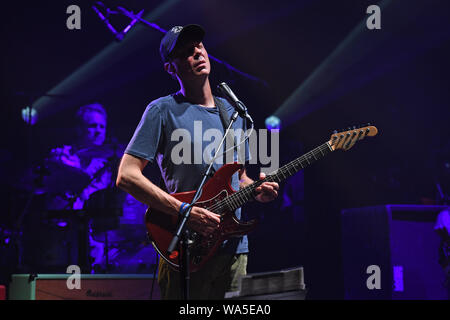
x: 286, y: 284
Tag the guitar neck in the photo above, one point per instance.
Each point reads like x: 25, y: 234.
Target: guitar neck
x: 239, y: 198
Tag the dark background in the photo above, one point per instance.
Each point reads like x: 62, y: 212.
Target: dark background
x: 395, y: 78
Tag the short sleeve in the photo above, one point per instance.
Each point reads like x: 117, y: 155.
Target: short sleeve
x: 147, y: 135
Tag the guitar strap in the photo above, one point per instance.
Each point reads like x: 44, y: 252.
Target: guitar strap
x: 224, y: 117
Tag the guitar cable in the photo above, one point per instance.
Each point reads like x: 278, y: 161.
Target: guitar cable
x: 235, y: 147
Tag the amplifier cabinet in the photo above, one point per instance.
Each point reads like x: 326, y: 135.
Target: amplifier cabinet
x: 93, y: 287
x: 285, y: 284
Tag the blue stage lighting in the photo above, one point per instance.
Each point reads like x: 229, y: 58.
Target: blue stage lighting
x: 273, y: 123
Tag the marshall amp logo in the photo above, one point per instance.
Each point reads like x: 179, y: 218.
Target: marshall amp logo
x: 98, y: 294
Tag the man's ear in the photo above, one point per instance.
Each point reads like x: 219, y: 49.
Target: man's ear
x: 170, y: 68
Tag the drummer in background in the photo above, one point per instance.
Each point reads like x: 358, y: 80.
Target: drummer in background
x: 91, y: 121
x: 91, y: 132
x: 94, y: 156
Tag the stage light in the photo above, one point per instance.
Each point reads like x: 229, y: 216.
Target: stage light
x: 82, y: 85
x: 29, y: 115
x: 273, y: 123
x: 353, y: 64
x: 62, y: 224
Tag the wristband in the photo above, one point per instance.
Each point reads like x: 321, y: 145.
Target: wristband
x: 183, y: 207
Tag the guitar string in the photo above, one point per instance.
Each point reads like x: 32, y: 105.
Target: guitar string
x: 241, y: 196
x: 234, y: 200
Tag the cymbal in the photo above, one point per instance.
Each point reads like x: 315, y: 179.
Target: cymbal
x: 53, y: 177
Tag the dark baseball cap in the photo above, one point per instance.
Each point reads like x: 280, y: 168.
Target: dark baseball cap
x: 177, y: 35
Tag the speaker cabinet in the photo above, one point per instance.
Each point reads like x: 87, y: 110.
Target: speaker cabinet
x: 401, y: 241
x: 286, y: 284
x: 93, y: 287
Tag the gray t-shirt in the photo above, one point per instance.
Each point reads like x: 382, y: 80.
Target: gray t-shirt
x: 180, y: 136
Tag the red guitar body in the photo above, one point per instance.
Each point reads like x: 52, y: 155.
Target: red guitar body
x: 162, y: 227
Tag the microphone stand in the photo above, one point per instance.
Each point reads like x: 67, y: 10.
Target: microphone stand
x: 182, y: 232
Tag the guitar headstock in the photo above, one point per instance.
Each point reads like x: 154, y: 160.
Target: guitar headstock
x: 346, y: 139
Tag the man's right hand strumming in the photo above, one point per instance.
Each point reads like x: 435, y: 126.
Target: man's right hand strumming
x: 203, y: 221
x: 131, y: 179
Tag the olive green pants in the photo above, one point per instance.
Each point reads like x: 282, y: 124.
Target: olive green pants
x: 219, y: 275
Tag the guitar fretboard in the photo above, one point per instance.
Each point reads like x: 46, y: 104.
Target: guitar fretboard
x: 239, y: 198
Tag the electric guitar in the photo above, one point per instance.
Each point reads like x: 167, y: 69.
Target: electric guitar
x: 218, y: 196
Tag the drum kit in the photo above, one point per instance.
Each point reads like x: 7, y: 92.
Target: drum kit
x: 52, y: 237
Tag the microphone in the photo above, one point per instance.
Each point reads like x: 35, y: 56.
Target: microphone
x: 240, y: 107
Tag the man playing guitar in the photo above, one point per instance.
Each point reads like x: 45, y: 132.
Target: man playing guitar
x: 186, y: 60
